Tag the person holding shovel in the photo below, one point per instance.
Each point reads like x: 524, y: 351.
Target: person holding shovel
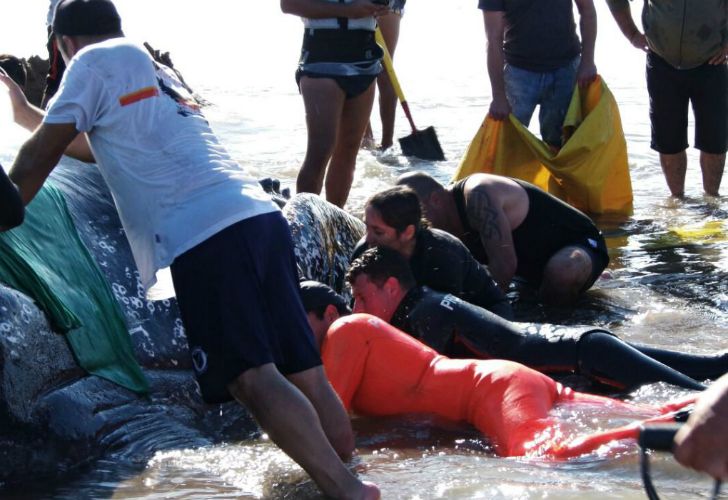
x: 340, y: 60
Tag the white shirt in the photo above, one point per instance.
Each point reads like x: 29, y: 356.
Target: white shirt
x: 173, y: 183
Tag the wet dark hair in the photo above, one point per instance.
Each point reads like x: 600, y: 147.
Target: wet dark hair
x: 14, y: 68
x: 316, y: 297
x: 399, y: 207
x: 379, y: 264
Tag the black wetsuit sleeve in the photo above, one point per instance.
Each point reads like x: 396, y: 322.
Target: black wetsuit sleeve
x: 478, y: 286
x: 480, y: 289
x: 11, y: 206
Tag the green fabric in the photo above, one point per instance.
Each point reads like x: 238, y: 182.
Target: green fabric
x: 45, y: 259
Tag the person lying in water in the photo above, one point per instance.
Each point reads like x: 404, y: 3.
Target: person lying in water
x: 378, y: 370
x: 517, y: 229
x: 383, y: 285
x: 393, y: 219
x: 12, y: 211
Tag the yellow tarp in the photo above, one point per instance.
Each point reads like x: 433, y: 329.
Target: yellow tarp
x: 590, y: 172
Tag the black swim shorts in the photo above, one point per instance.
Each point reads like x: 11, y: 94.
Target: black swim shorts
x: 599, y: 254
x: 349, y: 57
x: 671, y: 89
x: 239, y: 301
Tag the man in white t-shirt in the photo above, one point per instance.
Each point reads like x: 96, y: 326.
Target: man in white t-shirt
x: 186, y: 205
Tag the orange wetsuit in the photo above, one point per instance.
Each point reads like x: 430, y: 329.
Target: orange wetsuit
x: 379, y: 370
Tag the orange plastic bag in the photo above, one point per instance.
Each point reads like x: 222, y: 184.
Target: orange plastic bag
x: 590, y: 172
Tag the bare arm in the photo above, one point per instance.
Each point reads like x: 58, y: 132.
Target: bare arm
x: 701, y: 442
x: 29, y: 117
x: 317, y: 9
x: 623, y: 15
x: 494, y: 28
x: 39, y: 156
x: 588, y: 27
x: 487, y: 217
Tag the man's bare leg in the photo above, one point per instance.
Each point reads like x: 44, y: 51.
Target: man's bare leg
x: 291, y: 422
x: 712, y: 167
x: 674, y: 168
x: 331, y: 412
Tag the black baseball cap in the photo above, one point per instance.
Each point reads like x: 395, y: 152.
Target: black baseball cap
x: 86, y: 18
x: 315, y: 295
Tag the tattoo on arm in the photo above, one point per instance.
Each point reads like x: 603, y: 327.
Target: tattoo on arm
x: 484, y: 215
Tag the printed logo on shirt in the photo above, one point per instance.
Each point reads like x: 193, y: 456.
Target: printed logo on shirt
x: 199, y: 360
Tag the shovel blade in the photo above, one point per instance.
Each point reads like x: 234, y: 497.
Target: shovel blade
x: 422, y: 144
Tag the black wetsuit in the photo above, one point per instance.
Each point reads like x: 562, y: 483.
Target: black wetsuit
x: 441, y: 262
x: 549, y: 226
x: 458, y: 329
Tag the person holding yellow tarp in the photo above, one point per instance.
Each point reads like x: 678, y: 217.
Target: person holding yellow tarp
x: 590, y: 171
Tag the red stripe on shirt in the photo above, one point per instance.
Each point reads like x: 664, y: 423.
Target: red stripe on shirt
x: 139, y: 95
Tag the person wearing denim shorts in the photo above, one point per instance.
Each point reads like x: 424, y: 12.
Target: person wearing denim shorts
x: 535, y: 58
x: 687, y: 51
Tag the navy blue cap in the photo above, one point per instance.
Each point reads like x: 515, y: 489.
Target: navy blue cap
x: 86, y: 18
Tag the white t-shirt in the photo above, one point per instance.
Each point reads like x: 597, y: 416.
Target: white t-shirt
x: 173, y: 183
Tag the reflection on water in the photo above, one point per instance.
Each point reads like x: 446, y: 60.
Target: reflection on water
x: 663, y: 286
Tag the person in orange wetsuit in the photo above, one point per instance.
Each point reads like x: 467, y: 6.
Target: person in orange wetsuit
x: 378, y: 370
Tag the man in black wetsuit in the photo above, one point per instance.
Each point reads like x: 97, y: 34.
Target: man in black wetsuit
x: 383, y: 286
x: 12, y: 211
x: 517, y: 229
x: 438, y: 260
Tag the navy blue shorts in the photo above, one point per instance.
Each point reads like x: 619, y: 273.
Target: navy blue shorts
x: 239, y: 300
x: 671, y: 90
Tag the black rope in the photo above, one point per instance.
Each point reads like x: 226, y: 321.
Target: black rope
x: 647, y: 477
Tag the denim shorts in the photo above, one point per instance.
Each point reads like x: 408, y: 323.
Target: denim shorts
x: 240, y: 303
x: 671, y: 90
x: 551, y: 90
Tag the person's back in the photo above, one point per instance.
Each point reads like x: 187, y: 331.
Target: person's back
x: 461, y: 330
x: 173, y: 183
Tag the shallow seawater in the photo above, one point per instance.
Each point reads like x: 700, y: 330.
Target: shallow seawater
x: 666, y: 284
